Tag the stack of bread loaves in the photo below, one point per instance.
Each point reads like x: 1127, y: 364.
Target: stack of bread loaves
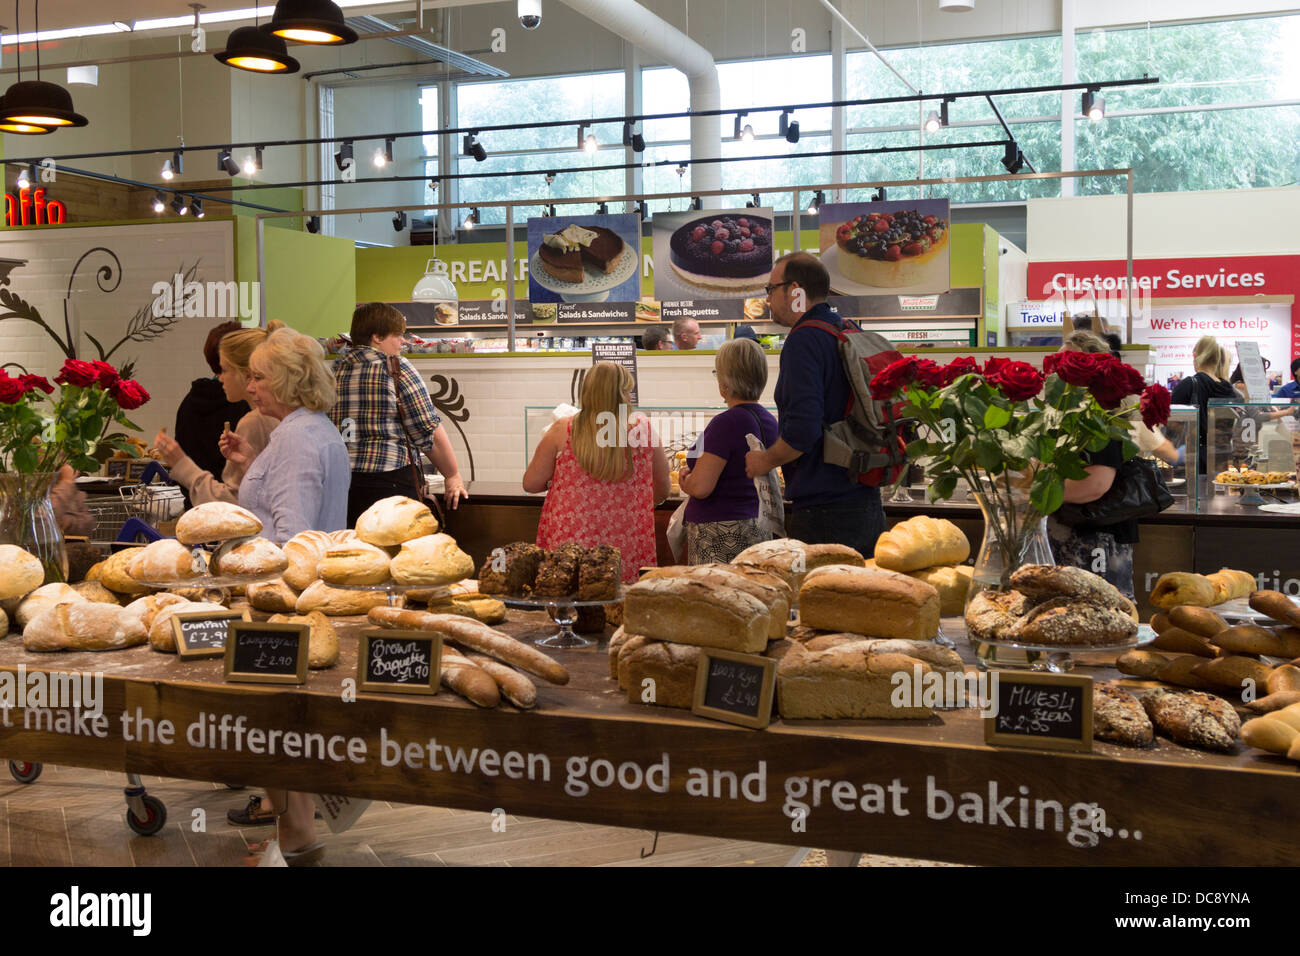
x: 1052, y: 605
x: 931, y: 550
x: 171, y: 561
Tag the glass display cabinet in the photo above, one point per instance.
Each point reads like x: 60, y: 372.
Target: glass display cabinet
x: 1251, y: 452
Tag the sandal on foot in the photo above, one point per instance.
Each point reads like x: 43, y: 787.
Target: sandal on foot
x: 251, y: 815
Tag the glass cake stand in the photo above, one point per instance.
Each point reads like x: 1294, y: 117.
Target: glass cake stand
x: 563, y: 611
x: 395, y: 592
x: 1053, y: 658
x: 222, y: 583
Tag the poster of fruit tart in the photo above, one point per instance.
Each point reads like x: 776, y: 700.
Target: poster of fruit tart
x: 886, y: 248
x: 584, y: 268
x: 712, y: 264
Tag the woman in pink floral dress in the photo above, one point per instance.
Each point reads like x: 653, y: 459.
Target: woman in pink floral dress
x: 604, y: 471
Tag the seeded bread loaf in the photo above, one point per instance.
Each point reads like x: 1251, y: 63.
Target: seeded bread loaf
x: 878, y: 603
x: 600, y: 572
x: 1193, y: 719
x: 690, y: 611
x: 1118, y: 716
x: 992, y: 614
x: 1042, y: 582
x: 511, y: 570
x: 557, y: 575
x: 1065, y: 622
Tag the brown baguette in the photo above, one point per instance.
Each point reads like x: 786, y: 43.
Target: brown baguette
x: 467, y: 679
x: 1277, y: 606
x: 1275, y: 701
x: 1182, y: 642
x: 1251, y: 639
x: 1284, y: 678
x: 1197, y: 620
x: 1137, y: 663
x: 1160, y: 622
x: 1180, y: 672
x: 475, y: 636
x: 1288, y: 641
x: 1231, y: 673
x: 517, y: 688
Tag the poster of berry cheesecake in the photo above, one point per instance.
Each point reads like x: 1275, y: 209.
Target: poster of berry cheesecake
x: 886, y: 247
x: 585, y: 260
x: 719, y: 254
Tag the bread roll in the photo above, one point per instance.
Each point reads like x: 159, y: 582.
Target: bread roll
x: 1141, y: 663
x: 952, y: 583
x: 1232, y: 584
x: 790, y: 559
x: 1253, y: 639
x: 1197, y: 620
x: 1277, y: 606
x: 162, y: 634
x: 1160, y: 622
x: 20, y: 572
x: 1264, y: 733
x: 274, y: 596
x: 354, y: 563
x: 95, y: 572
x: 216, y: 521
x: 1181, y: 587
x: 322, y: 640
x: 921, y: 542
x: 1182, y: 642
x: 303, y: 552
x: 847, y: 681
x: 42, y: 599
x: 336, y: 602
x: 248, y: 557
x: 162, y: 562
x: 391, y: 521
x: 1181, y: 672
x: 1284, y: 678
x: 469, y: 680
x: 83, y: 626
x: 4, y: 623
x: 691, y: 611
x: 431, y: 560
x: 773, y: 592
x: 1231, y: 673
x: 481, y: 607
x: 878, y: 603
x: 1275, y: 701
x: 116, y: 575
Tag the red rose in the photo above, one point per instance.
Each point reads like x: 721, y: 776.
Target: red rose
x: 992, y: 365
x: 11, y: 389
x: 1079, y: 368
x: 929, y: 374
x: 893, y: 378
x: 959, y: 367
x: 32, y: 382
x: 1114, y: 382
x: 1018, y: 381
x: 129, y: 394
x: 76, y: 372
x: 107, y: 374
x: 1051, y: 362
x: 1155, y: 406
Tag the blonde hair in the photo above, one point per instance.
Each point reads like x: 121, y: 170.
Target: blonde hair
x: 1225, y: 363
x: 742, y: 367
x: 1207, y: 356
x: 294, y: 367
x: 1084, y: 341
x: 606, y: 387
x: 237, y: 347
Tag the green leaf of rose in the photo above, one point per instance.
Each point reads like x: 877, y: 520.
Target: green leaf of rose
x: 943, y: 487
x: 1048, y: 492
x: 995, y: 416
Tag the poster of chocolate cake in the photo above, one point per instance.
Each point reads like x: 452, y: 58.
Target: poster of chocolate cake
x: 713, y: 264
x: 584, y: 268
x: 886, y: 248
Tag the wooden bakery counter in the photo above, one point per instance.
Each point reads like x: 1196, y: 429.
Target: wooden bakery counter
x: 920, y: 788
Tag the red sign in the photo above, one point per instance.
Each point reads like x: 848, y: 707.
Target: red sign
x: 32, y: 209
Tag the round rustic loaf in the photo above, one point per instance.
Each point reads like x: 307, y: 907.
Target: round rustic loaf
x: 249, y: 556
x: 162, y: 562
x: 354, y: 563
x: 430, y: 561
x: 20, y: 572
x: 216, y: 521
x: 391, y: 521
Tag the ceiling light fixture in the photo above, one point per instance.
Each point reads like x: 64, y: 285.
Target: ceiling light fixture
x: 938, y: 120
x: 310, y: 21
x: 635, y: 140
x: 227, y: 165
x: 197, y: 205
x: 399, y: 221
x: 23, y: 181
x: 313, y: 224
x: 753, y: 201
x: 159, y: 202
x: 602, y: 209
x: 1012, y: 158
x: 179, y: 206
x: 878, y: 195
x: 472, y: 147
x: 1094, y: 106
x: 472, y: 219
x: 815, y: 206
x: 124, y: 26
x: 587, y: 141
x: 344, y: 155
x: 747, y: 133
x: 173, y: 167
x: 956, y: 6
x: 787, y: 127
x: 384, y: 156
x: 253, y: 162
x: 256, y: 51
x: 34, y: 107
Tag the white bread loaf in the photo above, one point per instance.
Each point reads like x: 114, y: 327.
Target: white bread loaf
x: 952, y: 583
x: 20, y: 572
x: 162, y: 635
x: 921, y: 542
x: 162, y: 562
x: 216, y: 521
x: 847, y: 681
x: 391, y: 521
x: 146, y: 608
x: 354, y: 563
x: 790, y: 559
x: 690, y: 611
x: 343, y: 536
x: 42, y: 599
x: 430, y: 561
x: 767, y: 587
x: 116, y: 574
x: 83, y: 626
x: 335, y: 602
x: 304, y: 551
x: 250, y: 556
x: 876, y: 603
x: 94, y: 591
x: 322, y: 640
x: 272, y: 596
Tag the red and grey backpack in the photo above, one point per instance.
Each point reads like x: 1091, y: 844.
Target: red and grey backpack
x: 870, y: 442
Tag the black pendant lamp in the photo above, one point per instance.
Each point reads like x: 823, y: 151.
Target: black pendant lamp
x: 35, y: 107
x: 310, y: 21
x: 252, y: 49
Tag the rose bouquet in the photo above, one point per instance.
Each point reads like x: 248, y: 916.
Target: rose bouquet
x: 1015, y: 433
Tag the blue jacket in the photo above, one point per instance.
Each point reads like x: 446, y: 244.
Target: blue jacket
x: 1290, y: 390
x: 812, y: 391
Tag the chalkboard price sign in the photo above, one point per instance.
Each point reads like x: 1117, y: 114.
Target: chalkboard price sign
x: 736, y: 688
x: 267, y: 653
x: 399, y: 662
x: 203, y: 634
x: 1041, y: 711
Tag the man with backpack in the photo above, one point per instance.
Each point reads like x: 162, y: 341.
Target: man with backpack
x: 828, y: 505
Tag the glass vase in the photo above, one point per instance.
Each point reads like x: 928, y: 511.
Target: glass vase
x: 1015, y: 534
x: 27, y: 520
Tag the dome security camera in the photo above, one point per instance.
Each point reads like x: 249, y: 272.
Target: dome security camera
x: 530, y: 14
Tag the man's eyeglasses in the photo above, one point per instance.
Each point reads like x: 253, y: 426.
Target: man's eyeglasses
x: 776, y: 285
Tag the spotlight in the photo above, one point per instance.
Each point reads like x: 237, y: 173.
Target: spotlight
x: 745, y: 134
x: 472, y: 219
x: 399, y: 221
x: 159, y: 202
x: 815, y: 206
x: 878, y: 195
x: 1094, y: 106
x: 172, y: 167
x: 550, y: 178
x: 313, y: 224
x: 697, y: 203
x: 602, y: 209
x: 178, y: 205
x: 253, y: 163
x: 938, y: 120
x: 550, y: 210
x: 635, y: 140
x: 1013, y: 159
x: 787, y: 127
x: 384, y: 156
x: 344, y: 155
x: 587, y: 141
x: 643, y: 208
x: 472, y: 147
x: 680, y: 170
x: 197, y: 206
x: 226, y: 164
x: 754, y: 202
x: 24, y: 181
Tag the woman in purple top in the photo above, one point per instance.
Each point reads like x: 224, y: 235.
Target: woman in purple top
x: 722, y: 515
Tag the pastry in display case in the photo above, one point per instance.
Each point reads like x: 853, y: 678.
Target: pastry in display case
x: 1250, y: 452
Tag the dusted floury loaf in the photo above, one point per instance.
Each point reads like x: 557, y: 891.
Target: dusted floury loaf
x: 161, y: 562
x: 337, y: 602
x: 690, y: 611
x: 304, y: 551
x: 216, y: 521
x: 768, y: 588
x: 861, y: 601
x: 162, y: 633
x: 249, y: 557
x: 20, y: 572
x: 791, y: 559
x: 431, y: 561
x: 391, y: 521
x: 83, y: 626
x: 354, y: 563
x: 322, y: 640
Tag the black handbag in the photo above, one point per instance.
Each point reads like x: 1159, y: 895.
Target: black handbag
x: 1137, y: 492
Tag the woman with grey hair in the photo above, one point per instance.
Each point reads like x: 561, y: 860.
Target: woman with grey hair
x: 722, y: 517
